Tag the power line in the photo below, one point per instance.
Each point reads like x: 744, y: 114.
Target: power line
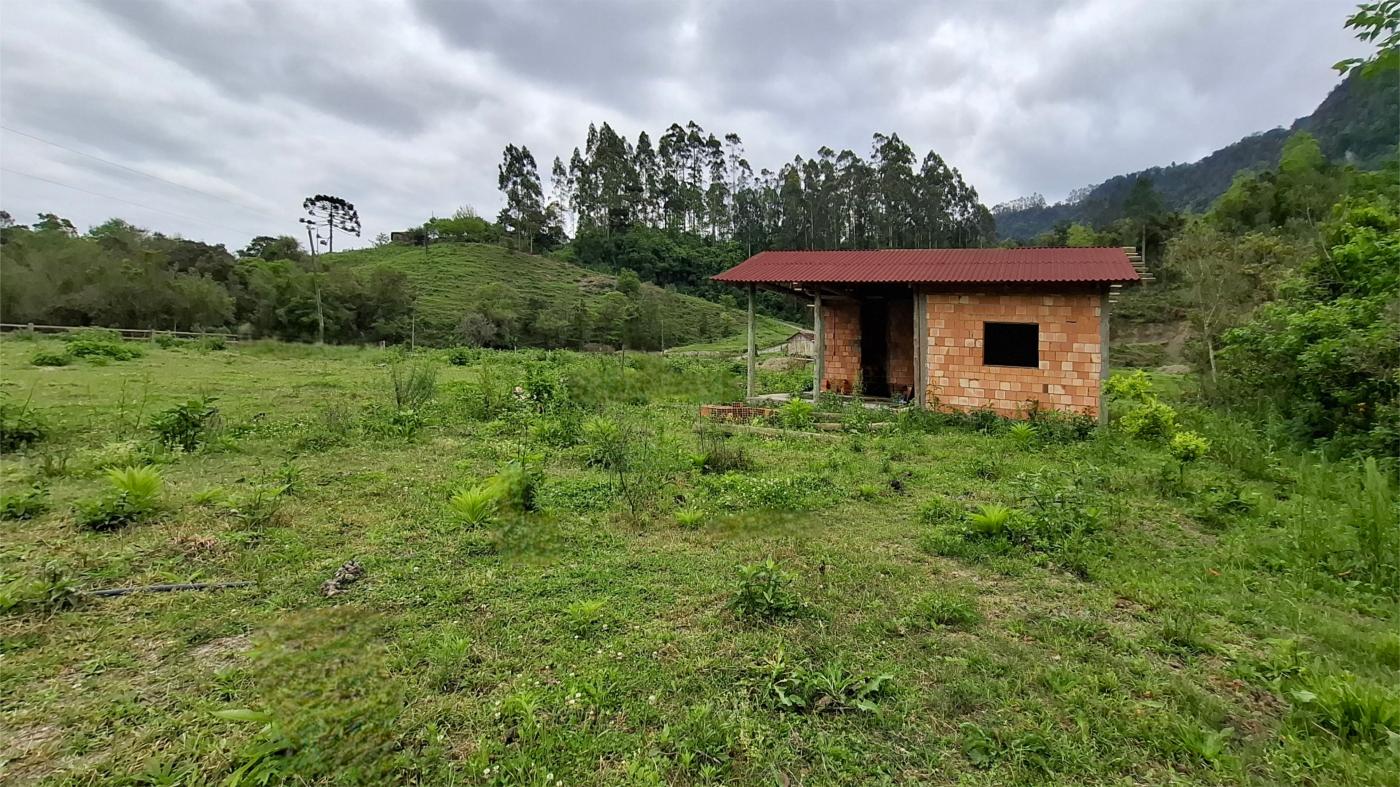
x: 111, y: 163
x: 129, y: 202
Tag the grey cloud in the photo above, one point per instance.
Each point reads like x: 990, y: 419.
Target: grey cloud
x: 269, y: 49
x: 403, y: 106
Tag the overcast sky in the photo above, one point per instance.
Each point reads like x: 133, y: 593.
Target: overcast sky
x: 403, y: 106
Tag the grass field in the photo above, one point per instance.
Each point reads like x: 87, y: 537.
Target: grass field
x: 1122, y: 620
x: 446, y: 275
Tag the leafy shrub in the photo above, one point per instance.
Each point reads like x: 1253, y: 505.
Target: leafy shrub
x: 26, y: 504
x: 867, y: 491
x: 475, y: 506
x: 1374, y: 516
x: 403, y: 424
x: 830, y: 688
x: 765, y: 592
x: 50, y: 358
x: 107, y: 350
x: 186, y: 425
x: 1151, y: 420
x: 942, y: 609
x: 1022, y: 434
x: 413, y: 384
x: 1132, y: 386
x: 719, y: 454
x: 1055, y: 426
x: 561, y: 430
x: 797, y: 414
x: 939, y: 511
x: 461, y: 356
x: 1187, y: 447
x: 211, y: 344
x: 516, y: 486
x: 990, y: 520
x: 606, y: 442
x: 985, y: 468
x: 690, y: 518
x: 167, y: 341
x: 587, y: 616
x: 20, y: 425
x: 1355, y: 710
x: 1219, y: 505
x: 784, y: 493
x: 54, y: 591
x: 132, y: 496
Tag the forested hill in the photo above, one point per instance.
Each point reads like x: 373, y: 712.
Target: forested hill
x: 1357, y: 123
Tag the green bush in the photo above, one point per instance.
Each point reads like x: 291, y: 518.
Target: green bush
x: 131, y: 497
x: 20, y: 425
x: 187, y: 425
x: 25, y: 504
x: 413, y: 384
x: 830, y: 688
x: 797, y: 414
x: 54, y: 591
x: 1151, y: 420
x: 461, y: 356
x: 1355, y: 710
x: 106, y: 350
x: 475, y: 506
x: 942, y: 609
x: 50, y: 358
x: 1187, y: 447
x: 765, y: 592
x: 719, y: 454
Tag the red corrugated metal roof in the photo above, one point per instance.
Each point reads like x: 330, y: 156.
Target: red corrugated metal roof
x: 943, y: 266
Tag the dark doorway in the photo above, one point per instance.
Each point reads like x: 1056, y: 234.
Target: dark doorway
x: 874, y: 347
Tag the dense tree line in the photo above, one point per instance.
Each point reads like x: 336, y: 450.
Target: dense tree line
x: 688, y: 205
x: 119, y: 275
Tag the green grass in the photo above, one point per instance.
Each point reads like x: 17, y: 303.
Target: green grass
x: 446, y: 275
x: 578, y: 643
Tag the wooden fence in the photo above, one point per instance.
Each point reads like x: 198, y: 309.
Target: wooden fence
x: 145, y: 334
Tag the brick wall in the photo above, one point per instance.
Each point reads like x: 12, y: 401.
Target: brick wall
x: 900, y: 340
x: 1068, y: 377
x: 841, y: 324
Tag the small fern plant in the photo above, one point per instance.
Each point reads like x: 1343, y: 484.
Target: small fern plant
x: 990, y: 520
x: 474, y: 506
x: 1022, y: 434
x: 132, y: 496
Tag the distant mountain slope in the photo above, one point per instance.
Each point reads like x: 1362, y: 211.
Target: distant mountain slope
x: 447, y: 276
x: 1358, y: 123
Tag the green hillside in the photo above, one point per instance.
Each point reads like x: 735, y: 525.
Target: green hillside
x: 448, y: 278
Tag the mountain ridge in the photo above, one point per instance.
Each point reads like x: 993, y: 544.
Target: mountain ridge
x: 1356, y: 123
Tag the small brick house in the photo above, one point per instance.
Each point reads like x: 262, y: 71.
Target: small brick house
x: 1005, y: 329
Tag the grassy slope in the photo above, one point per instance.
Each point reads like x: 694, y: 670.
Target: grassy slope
x: 450, y: 664
x: 447, y: 274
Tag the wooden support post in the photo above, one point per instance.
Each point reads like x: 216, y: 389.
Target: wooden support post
x: 753, y: 349
x: 819, y: 347
x: 1103, y: 354
x: 920, y: 347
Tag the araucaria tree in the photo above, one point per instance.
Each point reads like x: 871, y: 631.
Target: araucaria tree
x: 326, y: 214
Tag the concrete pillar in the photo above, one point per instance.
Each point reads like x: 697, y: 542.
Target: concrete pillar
x: 920, y: 346
x: 753, y: 349
x: 819, y: 346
